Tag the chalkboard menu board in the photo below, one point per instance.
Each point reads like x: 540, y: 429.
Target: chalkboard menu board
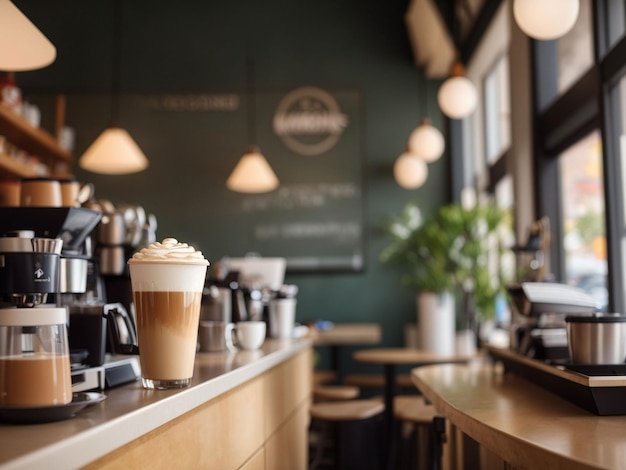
x: 310, y: 136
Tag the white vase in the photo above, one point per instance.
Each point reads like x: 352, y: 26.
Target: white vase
x: 436, y: 322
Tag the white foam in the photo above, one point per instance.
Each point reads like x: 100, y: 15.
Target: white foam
x: 167, y: 277
x: 169, y: 250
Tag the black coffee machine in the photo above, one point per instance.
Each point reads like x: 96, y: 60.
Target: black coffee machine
x: 99, y: 331
x: 538, y: 325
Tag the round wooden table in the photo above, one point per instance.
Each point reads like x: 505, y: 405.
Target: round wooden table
x: 390, y: 358
x: 347, y: 334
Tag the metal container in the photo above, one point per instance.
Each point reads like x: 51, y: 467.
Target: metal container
x: 111, y: 230
x: 73, y: 275
x: 596, y: 339
x: 112, y: 260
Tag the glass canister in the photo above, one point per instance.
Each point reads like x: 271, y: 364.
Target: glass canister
x: 34, y: 357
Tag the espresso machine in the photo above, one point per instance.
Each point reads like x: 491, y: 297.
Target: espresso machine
x: 99, y: 332
x: 538, y: 327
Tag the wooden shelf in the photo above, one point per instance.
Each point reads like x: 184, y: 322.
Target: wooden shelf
x: 9, y: 165
x: 33, y: 140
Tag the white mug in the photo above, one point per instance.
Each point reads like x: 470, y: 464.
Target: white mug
x: 250, y: 334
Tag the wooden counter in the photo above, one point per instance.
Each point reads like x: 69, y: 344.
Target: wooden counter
x: 243, y: 410
x: 525, y: 425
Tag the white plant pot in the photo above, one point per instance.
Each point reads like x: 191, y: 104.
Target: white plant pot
x: 436, y: 322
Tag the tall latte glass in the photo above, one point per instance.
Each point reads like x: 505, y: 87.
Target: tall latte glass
x: 167, y: 280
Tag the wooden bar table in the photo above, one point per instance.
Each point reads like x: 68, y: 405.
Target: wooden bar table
x: 390, y: 358
x: 522, y: 423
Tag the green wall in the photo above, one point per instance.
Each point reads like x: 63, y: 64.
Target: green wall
x: 202, y: 47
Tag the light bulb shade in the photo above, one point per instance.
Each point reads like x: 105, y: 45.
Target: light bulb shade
x: 252, y: 174
x: 457, y: 97
x: 426, y: 142
x: 545, y: 20
x: 114, y: 152
x: 22, y: 45
x: 410, y: 171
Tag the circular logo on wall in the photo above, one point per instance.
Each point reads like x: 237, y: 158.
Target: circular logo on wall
x: 309, y: 121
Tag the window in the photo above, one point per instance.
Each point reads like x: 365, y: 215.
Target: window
x: 497, y: 110
x: 582, y: 221
x: 575, y: 49
x: 580, y: 156
x: 560, y: 63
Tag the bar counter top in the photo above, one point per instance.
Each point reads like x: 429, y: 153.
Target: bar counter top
x: 130, y: 411
x: 524, y: 424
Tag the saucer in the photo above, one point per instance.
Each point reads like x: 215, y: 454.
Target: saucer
x: 47, y: 414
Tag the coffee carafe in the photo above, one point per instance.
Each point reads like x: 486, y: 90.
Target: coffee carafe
x: 34, y: 357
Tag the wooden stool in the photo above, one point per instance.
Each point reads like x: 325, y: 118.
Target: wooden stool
x: 335, y: 392
x: 403, y: 381
x: 356, y: 427
x: 321, y: 377
x: 417, y: 417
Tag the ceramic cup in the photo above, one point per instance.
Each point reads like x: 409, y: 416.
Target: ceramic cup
x: 9, y: 193
x: 40, y: 192
x: 250, y: 334
x: 69, y: 193
x: 216, y: 336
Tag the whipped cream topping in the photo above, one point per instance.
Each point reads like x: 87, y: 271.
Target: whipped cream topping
x: 169, y: 250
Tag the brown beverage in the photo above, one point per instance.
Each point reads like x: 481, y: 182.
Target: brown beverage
x: 40, y: 379
x: 167, y: 323
x: 167, y: 280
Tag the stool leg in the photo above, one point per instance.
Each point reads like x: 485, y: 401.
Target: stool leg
x: 358, y: 445
x: 438, y: 437
x: 324, y: 442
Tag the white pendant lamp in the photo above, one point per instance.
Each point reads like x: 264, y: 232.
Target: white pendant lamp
x: 545, y: 19
x: 22, y: 45
x: 252, y: 174
x: 426, y: 142
x: 410, y: 171
x: 457, y: 96
x: 114, y: 152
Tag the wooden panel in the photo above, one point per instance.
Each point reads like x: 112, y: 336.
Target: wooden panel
x: 288, y: 448
x: 256, y: 462
x: 223, y: 433
x: 286, y: 387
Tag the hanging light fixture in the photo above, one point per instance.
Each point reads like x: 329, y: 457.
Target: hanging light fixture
x: 457, y: 96
x: 545, y: 20
x: 426, y: 141
x: 114, y: 152
x: 410, y: 171
x: 22, y: 45
x: 252, y: 174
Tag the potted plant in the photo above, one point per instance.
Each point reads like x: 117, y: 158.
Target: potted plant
x: 453, y: 254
